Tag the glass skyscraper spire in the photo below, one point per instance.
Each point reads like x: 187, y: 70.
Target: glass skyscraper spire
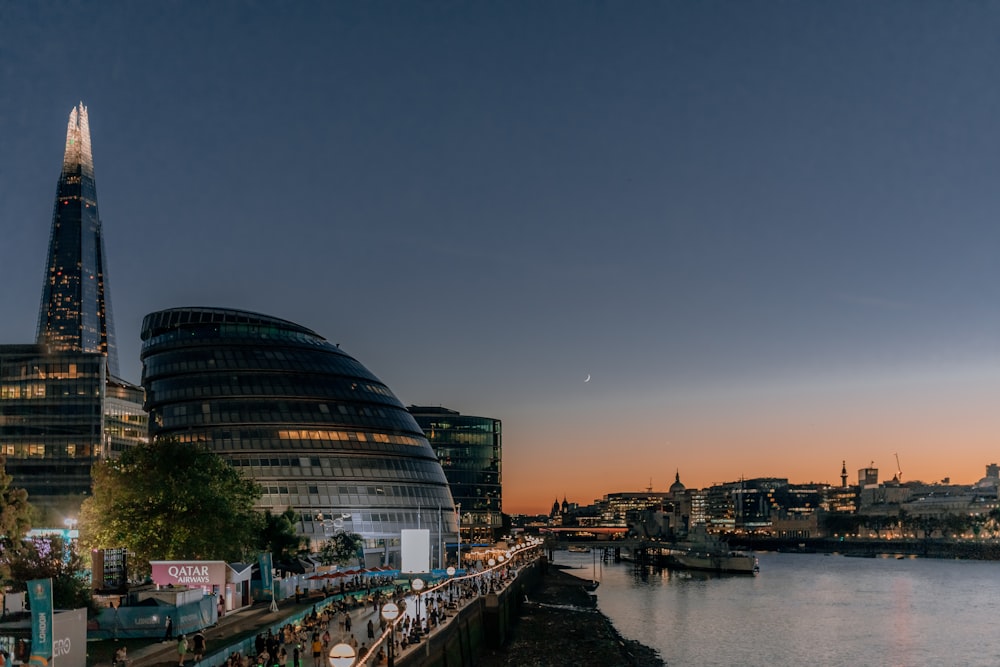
x: 75, y: 313
x: 62, y: 405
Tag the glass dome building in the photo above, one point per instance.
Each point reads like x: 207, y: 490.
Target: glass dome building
x: 315, y: 428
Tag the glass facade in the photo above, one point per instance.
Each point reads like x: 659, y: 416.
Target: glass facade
x: 469, y: 450
x: 75, y: 313
x: 315, y: 428
x: 53, y: 424
x: 61, y: 405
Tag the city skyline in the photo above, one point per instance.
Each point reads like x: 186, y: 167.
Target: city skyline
x: 735, y: 240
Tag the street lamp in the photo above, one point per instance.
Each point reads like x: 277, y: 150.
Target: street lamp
x: 341, y: 655
x: 418, y: 585
x: 451, y: 584
x: 390, y: 612
x: 458, y: 509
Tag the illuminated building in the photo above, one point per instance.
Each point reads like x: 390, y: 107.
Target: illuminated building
x: 470, y: 451
x: 62, y: 406
x: 75, y: 313
x: 316, y: 429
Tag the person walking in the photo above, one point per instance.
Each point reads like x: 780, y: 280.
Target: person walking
x: 182, y: 649
x: 169, y: 634
x: 317, y: 649
x: 198, y: 646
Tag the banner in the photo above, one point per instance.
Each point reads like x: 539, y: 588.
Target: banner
x: 40, y: 598
x: 266, y: 580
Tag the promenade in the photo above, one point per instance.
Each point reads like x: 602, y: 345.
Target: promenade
x: 236, y: 631
x: 233, y: 628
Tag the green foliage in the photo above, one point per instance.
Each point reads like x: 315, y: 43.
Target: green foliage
x: 15, y: 511
x: 15, y: 519
x: 52, y: 558
x: 341, y: 549
x: 171, y: 501
x: 278, y: 535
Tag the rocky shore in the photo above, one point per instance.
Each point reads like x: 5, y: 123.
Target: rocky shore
x: 561, y: 625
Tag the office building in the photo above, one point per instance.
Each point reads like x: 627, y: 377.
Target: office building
x: 470, y: 451
x: 315, y: 428
x: 62, y: 406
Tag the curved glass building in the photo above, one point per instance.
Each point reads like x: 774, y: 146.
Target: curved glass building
x: 315, y: 428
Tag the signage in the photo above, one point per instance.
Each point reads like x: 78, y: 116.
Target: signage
x: 266, y: 576
x: 189, y: 573
x: 40, y: 598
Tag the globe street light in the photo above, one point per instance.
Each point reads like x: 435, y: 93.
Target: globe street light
x: 390, y: 612
x: 341, y: 655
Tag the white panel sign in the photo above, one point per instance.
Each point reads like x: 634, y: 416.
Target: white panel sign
x: 415, y: 545
x: 69, y: 638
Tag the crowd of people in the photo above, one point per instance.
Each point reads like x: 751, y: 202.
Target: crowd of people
x: 333, y: 621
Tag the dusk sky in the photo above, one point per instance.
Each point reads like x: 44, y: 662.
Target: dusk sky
x: 769, y: 232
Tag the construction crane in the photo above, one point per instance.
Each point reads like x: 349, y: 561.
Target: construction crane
x: 899, y: 471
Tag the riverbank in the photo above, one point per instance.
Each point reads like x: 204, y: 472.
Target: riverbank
x: 561, y: 625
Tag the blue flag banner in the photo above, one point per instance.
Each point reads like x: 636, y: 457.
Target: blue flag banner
x: 266, y: 582
x: 40, y: 599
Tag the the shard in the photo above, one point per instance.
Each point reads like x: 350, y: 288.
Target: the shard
x: 62, y: 405
x: 75, y: 313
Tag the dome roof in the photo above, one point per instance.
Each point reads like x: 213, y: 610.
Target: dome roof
x: 677, y: 487
x: 308, y: 422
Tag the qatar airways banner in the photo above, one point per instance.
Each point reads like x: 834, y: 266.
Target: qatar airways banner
x: 189, y: 573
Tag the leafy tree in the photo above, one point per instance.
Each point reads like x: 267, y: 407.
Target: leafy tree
x: 15, y: 511
x: 167, y: 500
x: 838, y: 523
x: 278, y: 535
x: 52, y: 558
x: 15, y: 519
x: 341, y: 549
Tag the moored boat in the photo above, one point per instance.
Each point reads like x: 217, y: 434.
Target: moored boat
x: 728, y: 562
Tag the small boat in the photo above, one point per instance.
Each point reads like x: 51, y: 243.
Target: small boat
x: 578, y: 549
x: 730, y: 562
x: 710, y: 554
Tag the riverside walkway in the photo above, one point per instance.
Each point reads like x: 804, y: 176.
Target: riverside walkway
x: 236, y: 632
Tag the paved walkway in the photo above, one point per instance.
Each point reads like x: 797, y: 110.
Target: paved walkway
x: 236, y: 626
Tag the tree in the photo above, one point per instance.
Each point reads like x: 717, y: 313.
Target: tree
x: 278, y: 535
x: 52, y: 558
x: 15, y: 511
x: 15, y: 519
x: 341, y: 549
x: 167, y: 500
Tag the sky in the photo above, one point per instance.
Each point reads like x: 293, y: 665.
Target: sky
x: 767, y: 231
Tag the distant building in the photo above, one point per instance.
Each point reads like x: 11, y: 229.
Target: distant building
x: 470, y: 451
x: 62, y: 406
x: 315, y: 428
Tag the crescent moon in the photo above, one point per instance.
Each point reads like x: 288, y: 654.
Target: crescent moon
x: 588, y: 378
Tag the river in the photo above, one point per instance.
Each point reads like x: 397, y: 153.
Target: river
x: 808, y: 609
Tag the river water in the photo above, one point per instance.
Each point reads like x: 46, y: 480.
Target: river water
x: 808, y: 609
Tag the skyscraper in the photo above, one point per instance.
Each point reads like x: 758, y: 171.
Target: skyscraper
x: 470, y: 451
x: 75, y: 313
x: 62, y: 406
